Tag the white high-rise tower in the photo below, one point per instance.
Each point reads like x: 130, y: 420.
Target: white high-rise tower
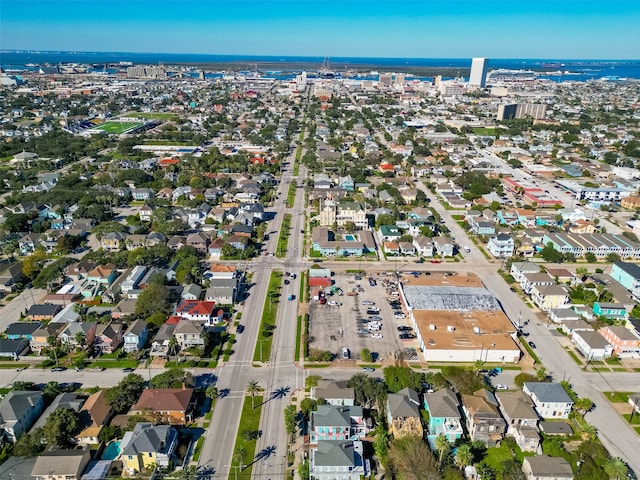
x: 478, y: 74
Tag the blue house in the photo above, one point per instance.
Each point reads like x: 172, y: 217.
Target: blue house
x: 16, y: 331
x: 346, y: 183
x: 444, y: 416
x: 610, y: 310
x: 628, y: 275
x: 136, y: 336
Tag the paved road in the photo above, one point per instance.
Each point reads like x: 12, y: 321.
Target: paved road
x: 10, y: 313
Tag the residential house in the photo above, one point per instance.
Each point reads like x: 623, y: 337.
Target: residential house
x: 136, y: 336
x: 67, y: 400
x: 544, y: 467
x: 113, y: 241
x: 142, y: 194
x: 333, y: 459
x: 189, y: 333
x: 549, y: 399
x: 18, y: 412
x: 444, y: 416
x: 424, y: 246
x: 108, y: 337
x: 39, y: 338
x: 625, y: 342
x: 481, y: 227
x: 521, y: 418
x: 103, y: 274
x: 222, y: 291
x: 61, y: 464
x: 520, y: 269
x: 628, y: 275
x: 95, y: 414
x: 80, y: 270
x: 334, y: 393
x: 148, y: 446
x: 592, y: 345
x: 484, y: 422
x: 198, y: 310
x: 403, y: 415
x: 334, y: 422
x: 160, y: 344
x: 215, y: 247
x: 611, y: 311
x: 145, y: 213
x: 199, y: 241
x: 530, y: 280
x: 72, y: 332
x: 501, y: 246
x: 166, y: 405
x: 13, y: 348
x: 238, y: 242
x: 43, y: 312
x: 389, y: 233
x: 191, y: 292
x: 18, y: 330
x: 547, y: 297
x: 443, y: 246
x: 10, y: 275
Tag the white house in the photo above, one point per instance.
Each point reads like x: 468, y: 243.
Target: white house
x: 592, y: 345
x: 549, y: 399
x: 501, y: 246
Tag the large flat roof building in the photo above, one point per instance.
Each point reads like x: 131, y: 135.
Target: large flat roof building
x: 478, y: 75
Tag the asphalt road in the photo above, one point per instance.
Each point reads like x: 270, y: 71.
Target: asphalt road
x: 10, y: 313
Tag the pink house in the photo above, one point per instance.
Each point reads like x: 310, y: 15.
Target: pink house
x: 625, y: 342
x: 108, y: 337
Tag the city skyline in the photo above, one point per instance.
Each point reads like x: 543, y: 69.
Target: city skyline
x: 407, y: 29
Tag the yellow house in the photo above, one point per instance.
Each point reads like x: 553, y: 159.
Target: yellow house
x: 146, y: 447
x: 547, y: 297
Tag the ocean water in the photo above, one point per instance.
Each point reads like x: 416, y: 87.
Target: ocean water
x: 572, y: 69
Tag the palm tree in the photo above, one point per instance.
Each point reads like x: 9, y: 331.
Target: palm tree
x: 583, y: 405
x: 253, y: 387
x: 589, y: 432
x: 464, y: 455
x: 442, y: 445
x: 173, y: 346
x: 615, y: 468
x: 211, y: 392
x: 479, y: 366
x: 541, y: 374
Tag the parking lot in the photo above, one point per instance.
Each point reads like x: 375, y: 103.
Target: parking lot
x: 345, y: 321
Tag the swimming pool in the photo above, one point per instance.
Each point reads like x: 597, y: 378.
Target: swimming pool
x: 350, y: 238
x: 112, y: 451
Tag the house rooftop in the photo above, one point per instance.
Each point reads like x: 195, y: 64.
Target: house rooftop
x: 548, y: 392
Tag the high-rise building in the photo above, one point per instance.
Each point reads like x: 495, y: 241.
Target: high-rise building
x: 508, y: 111
x: 478, y: 74
x: 384, y: 79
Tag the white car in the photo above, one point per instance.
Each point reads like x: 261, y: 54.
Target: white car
x: 332, y: 303
x: 374, y: 326
x: 501, y: 387
x: 399, y: 315
x: 376, y: 335
x: 368, y: 302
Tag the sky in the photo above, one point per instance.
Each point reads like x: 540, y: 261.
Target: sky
x: 562, y: 29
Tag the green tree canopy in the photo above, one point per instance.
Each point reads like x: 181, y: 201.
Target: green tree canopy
x: 61, y: 426
x: 126, y: 393
x: 172, y: 378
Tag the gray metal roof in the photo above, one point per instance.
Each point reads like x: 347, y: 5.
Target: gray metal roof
x: 548, y: 392
x: 450, y: 298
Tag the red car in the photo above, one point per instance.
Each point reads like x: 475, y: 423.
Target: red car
x: 436, y: 261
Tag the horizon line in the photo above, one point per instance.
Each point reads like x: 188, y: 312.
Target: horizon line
x: 311, y: 55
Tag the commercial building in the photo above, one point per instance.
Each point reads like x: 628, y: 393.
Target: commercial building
x: 456, y: 319
x: 509, y: 111
x: 600, y: 244
x: 478, y: 75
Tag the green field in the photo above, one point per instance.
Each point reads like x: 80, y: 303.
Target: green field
x: 154, y: 116
x: 118, y: 127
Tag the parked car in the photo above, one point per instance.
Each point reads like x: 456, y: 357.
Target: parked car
x: 128, y: 369
x: 513, y: 289
x: 406, y: 336
x: 286, y: 282
x: 376, y: 335
x: 362, y: 331
x: 368, y: 302
x: 399, y: 315
x: 368, y: 369
x: 501, y: 387
x: 375, y: 318
x: 346, y: 354
x: 291, y: 297
x: 532, y: 345
x: 404, y: 328
x: 58, y: 369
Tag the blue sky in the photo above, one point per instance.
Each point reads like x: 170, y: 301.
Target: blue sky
x: 369, y: 28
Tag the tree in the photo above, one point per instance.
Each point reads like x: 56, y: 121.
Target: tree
x: 541, y: 374
x: 307, y: 405
x: 464, y: 455
x: 590, y: 257
x: 81, y: 339
x: 366, y: 355
x: 32, y: 265
x: 411, y: 458
x: 381, y: 442
x: 443, y: 446
x: 479, y: 366
x: 61, y: 426
x: 29, y: 445
x: 612, y: 257
x: 589, y: 432
x: 126, y: 393
x: 290, y: 420
x: 154, y: 299
x: 583, y: 405
x: 582, y: 272
x: 253, y: 388
x: 109, y: 432
x: 616, y: 468
x: 172, y: 378
x: 211, y: 392
x: 550, y: 254
x: 172, y: 347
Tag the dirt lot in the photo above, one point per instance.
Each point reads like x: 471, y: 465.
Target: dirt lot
x: 332, y: 327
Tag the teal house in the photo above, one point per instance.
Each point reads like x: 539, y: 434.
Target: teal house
x: 444, y: 416
x: 610, y: 310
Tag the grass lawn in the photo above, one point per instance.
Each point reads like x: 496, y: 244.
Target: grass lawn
x: 268, y: 322
x: 575, y: 357
x: 154, y: 116
x: 635, y: 421
x: 529, y: 349
x: 617, y: 397
x: 298, y: 334
x: 497, y: 455
x: 283, y: 238
x: 249, y: 421
x: 114, y: 363
x: 487, y: 132
x: 15, y: 365
x: 291, y: 194
x: 637, y: 429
